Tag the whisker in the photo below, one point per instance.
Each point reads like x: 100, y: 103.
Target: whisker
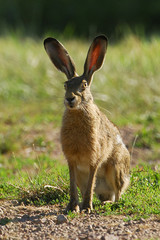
x: 105, y: 110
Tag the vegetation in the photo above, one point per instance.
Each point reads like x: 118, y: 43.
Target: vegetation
x: 49, y: 184
x: 31, y: 106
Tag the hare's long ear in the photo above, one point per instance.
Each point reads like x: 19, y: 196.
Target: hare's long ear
x: 95, y: 56
x: 59, y: 57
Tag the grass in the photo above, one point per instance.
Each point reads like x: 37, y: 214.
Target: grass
x: 31, y: 106
x: 49, y: 184
x: 46, y: 183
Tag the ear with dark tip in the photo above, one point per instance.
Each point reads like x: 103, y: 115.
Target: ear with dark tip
x: 95, y: 56
x: 59, y: 57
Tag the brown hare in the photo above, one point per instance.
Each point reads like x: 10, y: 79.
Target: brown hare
x: 97, y: 157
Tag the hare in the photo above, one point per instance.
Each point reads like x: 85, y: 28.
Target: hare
x: 97, y: 157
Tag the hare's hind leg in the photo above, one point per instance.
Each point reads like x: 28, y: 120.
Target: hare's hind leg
x: 120, y: 174
x: 73, y: 204
x: 104, y: 189
x: 121, y: 183
x: 116, y: 179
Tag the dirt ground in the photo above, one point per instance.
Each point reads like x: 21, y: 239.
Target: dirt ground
x: 28, y: 222
x: 49, y: 222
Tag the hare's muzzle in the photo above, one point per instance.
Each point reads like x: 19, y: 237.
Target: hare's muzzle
x: 70, y: 102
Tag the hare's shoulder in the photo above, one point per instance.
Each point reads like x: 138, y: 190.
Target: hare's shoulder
x: 107, y: 125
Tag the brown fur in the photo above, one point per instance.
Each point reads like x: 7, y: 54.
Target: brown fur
x: 97, y: 158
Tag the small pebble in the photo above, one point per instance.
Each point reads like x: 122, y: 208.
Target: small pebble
x: 61, y: 219
x: 142, y: 220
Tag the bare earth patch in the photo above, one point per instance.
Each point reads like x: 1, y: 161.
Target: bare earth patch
x: 51, y: 135
x: 28, y: 222
x: 138, y: 155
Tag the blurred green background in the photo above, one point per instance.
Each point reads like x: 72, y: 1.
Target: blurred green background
x: 81, y: 18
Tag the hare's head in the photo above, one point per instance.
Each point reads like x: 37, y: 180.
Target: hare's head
x: 77, y: 87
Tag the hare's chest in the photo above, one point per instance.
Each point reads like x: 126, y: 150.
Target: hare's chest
x: 77, y: 139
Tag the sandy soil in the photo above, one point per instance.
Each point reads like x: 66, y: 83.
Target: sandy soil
x: 29, y: 222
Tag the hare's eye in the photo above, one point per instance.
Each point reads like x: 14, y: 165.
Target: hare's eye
x: 65, y: 86
x: 84, y: 85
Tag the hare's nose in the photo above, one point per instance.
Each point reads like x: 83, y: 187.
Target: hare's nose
x: 70, y: 100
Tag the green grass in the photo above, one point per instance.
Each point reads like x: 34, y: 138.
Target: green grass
x: 37, y: 182
x: 49, y: 184
x: 31, y: 107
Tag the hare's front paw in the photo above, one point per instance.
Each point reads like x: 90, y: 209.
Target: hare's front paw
x: 87, y: 207
x: 72, y: 206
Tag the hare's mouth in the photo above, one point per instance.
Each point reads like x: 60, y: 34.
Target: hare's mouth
x: 71, y: 103
x: 71, y: 106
